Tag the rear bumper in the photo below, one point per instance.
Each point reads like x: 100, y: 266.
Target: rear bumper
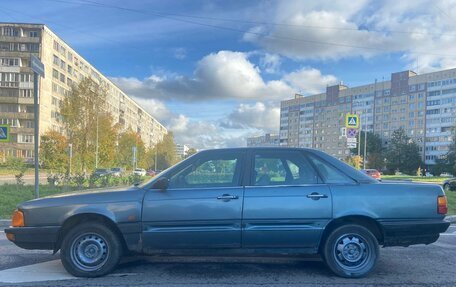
x: 33, y: 237
x: 405, y: 233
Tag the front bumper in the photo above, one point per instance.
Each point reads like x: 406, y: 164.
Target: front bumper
x: 43, y: 237
x: 405, y: 233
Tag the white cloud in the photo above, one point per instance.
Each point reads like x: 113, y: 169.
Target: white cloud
x: 257, y: 116
x: 309, y: 80
x: 270, y: 63
x: 422, y: 31
x: 180, y: 53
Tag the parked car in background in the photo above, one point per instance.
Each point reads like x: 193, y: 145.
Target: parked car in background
x: 139, y: 171
x: 117, y: 171
x: 450, y: 184
x: 100, y: 172
x: 151, y: 172
x: 373, y: 173
x: 237, y: 201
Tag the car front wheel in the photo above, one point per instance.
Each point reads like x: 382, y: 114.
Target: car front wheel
x: 90, y: 250
x: 351, y: 251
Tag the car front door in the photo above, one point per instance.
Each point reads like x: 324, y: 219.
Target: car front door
x: 201, y: 207
x: 286, y: 204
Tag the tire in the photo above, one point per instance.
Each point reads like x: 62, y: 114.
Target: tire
x: 447, y: 187
x: 351, y: 251
x: 90, y: 250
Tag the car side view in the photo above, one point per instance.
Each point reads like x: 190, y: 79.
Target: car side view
x: 237, y: 201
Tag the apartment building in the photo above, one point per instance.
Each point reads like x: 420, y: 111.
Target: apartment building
x: 182, y: 150
x: 423, y: 105
x: 263, y: 140
x: 63, y: 68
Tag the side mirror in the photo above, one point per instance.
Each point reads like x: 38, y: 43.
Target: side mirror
x: 161, y: 183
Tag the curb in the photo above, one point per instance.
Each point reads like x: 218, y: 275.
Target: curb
x: 4, y: 223
x: 451, y: 218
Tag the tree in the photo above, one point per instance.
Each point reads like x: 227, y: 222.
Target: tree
x: 18, y: 166
x: 166, y: 152
x: 191, y: 151
x: 403, y: 154
x: 81, y: 110
x: 54, y: 152
x: 448, y: 162
x: 375, y: 152
x: 356, y: 161
x: 127, y: 141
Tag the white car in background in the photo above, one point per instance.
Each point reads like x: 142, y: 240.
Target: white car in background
x: 139, y: 171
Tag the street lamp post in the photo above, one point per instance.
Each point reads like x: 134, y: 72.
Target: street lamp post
x: 96, y: 147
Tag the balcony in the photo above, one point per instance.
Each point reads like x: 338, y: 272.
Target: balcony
x: 9, y: 100
x: 22, y: 130
x: 22, y: 116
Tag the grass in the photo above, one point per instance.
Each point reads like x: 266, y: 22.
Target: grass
x: 434, y: 179
x: 451, y: 197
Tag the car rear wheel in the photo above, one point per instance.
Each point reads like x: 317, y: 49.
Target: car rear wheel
x: 447, y: 187
x: 90, y: 250
x: 351, y: 251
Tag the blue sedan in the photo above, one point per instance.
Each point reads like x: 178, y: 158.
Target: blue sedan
x: 237, y: 201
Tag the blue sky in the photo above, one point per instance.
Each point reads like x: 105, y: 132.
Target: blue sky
x: 214, y: 72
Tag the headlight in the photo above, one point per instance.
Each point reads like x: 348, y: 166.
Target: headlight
x: 18, y: 219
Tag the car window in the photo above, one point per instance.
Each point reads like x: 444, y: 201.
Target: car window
x: 284, y: 168
x: 209, y: 172
x: 329, y: 173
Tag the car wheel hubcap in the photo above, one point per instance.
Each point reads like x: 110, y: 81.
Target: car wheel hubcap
x: 351, y: 251
x: 89, y: 251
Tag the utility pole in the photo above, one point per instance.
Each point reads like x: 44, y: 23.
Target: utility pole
x: 156, y: 155
x: 38, y: 70
x: 365, y: 145
x: 70, y: 146
x: 359, y: 136
x: 96, y: 148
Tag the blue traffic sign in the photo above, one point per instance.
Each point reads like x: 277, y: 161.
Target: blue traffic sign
x: 4, y: 133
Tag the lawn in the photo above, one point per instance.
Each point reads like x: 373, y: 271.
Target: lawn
x: 451, y: 196
x: 435, y: 179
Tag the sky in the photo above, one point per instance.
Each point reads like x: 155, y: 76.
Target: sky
x: 214, y: 72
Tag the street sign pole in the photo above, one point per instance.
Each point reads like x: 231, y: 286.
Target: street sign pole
x: 38, y: 70
x: 37, y: 133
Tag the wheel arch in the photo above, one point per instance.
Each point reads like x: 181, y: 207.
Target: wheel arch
x: 79, y: 218
x: 368, y: 222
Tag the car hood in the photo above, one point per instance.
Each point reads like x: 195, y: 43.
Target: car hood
x: 91, y: 196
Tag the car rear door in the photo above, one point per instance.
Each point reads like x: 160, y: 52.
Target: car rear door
x: 286, y: 203
x: 202, y: 206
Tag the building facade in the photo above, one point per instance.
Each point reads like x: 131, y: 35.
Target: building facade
x: 264, y: 140
x: 63, y: 68
x: 182, y: 150
x: 423, y: 105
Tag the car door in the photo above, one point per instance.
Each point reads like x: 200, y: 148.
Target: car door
x: 286, y: 203
x: 201, y: 207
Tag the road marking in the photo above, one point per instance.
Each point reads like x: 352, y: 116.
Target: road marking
x: 46, y: 271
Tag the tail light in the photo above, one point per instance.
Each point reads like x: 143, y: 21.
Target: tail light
x: 442, y: 206
x: 18, y: 219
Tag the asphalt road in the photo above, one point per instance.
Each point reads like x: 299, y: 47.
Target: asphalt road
x: 431, y: 265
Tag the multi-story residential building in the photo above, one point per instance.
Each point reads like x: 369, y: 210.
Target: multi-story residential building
x: 63, y: 68
x: 423, y: 105
x: 182, y: 150
x: 264, y: 140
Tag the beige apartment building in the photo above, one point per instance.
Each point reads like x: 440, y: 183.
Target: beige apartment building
x: 63, y: 67
x: 423, y: 105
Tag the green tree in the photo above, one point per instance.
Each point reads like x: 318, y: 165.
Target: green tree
x: 403, y: 154
x: 54, y: 152
x: 448, y: 162
x: 166, y: 152
x: 191, y: 151
x: 19, y: 167
x: 81, y: 110
x: 356, y: 161
x: 375, y: 152
x: 127, y: 141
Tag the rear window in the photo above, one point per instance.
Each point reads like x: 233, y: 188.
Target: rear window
x: 329, y: 173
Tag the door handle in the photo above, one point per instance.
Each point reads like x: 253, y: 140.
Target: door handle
x: 227, y: 197
x: 316, y: 196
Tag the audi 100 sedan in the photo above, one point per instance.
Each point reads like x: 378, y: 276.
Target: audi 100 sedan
x: 237, y: 201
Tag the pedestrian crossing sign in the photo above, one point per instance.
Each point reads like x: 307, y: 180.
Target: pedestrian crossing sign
x: 4, y: 133
x: 352, y: 121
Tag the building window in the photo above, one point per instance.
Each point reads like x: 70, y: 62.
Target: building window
x: 33, y: 34
x: 55, y: 74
